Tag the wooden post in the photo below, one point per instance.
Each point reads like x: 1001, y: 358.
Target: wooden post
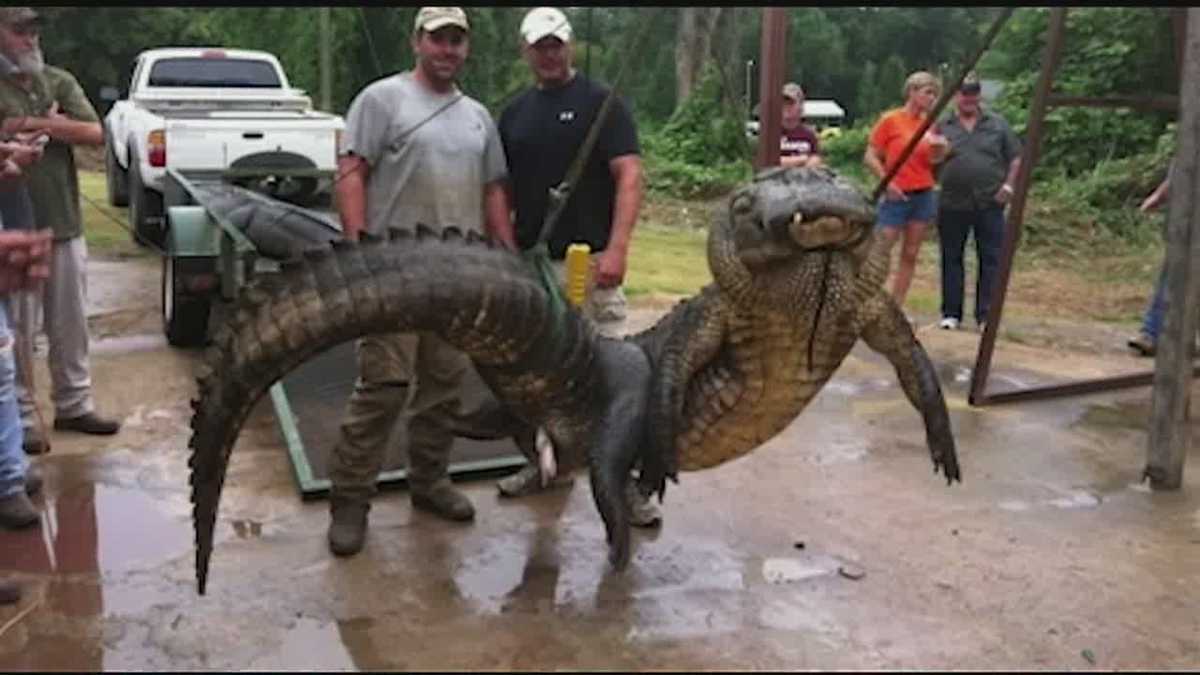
x: 770, y: 86
x: 1169, y: 434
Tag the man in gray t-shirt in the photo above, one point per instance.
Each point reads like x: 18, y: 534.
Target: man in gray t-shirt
x: 415, y: 150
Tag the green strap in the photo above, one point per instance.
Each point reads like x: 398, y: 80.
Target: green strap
x: 538, y: 257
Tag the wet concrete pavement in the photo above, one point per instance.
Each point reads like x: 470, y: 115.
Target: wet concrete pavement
x: 832, y: 546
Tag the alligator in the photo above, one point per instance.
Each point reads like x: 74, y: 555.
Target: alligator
x: 798, y: 279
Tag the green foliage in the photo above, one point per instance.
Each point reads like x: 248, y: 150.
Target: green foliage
x: 1107, y: 51
x: 702, y: 149
x: 702, y: 130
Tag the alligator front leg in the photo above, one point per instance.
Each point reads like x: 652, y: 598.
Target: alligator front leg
x: 890, y: 334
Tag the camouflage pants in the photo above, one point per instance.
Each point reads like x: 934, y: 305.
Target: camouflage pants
x: 397, y: 372
x: 605, y: 306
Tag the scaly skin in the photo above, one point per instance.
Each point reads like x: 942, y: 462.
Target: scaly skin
x: 791, y: 296
x: 797, y: 281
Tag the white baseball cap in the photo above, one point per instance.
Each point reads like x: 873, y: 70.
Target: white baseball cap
x: 543, y: 22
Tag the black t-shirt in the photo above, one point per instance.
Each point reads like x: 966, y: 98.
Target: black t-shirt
x: 542, y: 131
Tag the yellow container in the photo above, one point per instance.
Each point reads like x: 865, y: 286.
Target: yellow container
x: 577, y: 273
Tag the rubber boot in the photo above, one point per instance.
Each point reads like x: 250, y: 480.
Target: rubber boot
x: 347, y: 525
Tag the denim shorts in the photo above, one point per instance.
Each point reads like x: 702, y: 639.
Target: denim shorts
x: 921, y: 205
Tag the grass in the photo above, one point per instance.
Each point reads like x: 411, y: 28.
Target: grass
x: 104, y: 226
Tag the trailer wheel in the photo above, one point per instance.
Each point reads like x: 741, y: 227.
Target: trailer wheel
x: 145, y: 210
x: 116, y: 180
x: 184, y: 313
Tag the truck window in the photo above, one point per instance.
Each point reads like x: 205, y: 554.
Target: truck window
x: 211, y: 72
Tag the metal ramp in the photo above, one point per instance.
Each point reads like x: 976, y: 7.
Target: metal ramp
x: 309, y: 403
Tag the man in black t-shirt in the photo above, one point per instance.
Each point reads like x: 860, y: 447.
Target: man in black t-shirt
x: 542, y: 131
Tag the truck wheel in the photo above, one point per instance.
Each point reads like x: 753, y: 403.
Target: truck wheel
x: 145, y: 210
x: 185, y: 315
x: 115, y: 178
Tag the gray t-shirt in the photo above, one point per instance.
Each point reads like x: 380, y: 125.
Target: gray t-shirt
x: 429, y: 161
x: 978, y: 161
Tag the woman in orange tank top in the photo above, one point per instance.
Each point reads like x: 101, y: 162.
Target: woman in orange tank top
x: 910, y: 202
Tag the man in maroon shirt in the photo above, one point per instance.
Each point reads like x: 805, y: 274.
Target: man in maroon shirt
x: 798, y: 144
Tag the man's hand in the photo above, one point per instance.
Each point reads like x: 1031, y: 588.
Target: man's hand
x: 24, y: 258
x: 610, y: 268
x: 1004, y: 194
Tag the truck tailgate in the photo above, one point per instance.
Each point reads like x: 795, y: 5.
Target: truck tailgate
x: 214, y: 143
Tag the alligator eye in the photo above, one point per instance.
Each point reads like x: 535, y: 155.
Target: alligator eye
x: 743, y: 204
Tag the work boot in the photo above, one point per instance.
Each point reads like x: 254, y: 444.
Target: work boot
x: 35, y: 443
x: 17, y: 512
x: 347, y: 525
x: 528, y: 481
x: 642, y: 510
x: 88, y: 423
x: 443, y: 500
x: 1142, y: 344
x: 33, y: 480
x: 10, y: 593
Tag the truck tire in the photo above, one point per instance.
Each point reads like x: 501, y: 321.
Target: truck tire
x: 185, y: 315
x: 115, y: 178
x: 145, y: 210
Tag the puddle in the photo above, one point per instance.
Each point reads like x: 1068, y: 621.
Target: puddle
x: 308, y: 645
x: 96, y: 528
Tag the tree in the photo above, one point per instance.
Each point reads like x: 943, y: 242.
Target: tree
x: 693, y: 46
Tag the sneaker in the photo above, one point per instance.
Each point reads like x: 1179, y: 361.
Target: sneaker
x: 347, y: 525
x: 17, y: 512
x: 88, y: 423
x: 948, y: 323
x: 528, y: 481
x: 444, y: 501
x: 1142, y: 344
x: 35, y: 443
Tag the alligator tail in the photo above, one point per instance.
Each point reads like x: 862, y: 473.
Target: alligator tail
x: 480, y: 298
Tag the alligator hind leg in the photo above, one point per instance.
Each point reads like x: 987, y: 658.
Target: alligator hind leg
x: 616, y: 440
x: 891, y: 335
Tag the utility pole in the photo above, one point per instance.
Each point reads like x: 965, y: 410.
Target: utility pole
x: 326, y: 59
x: 770, y: 85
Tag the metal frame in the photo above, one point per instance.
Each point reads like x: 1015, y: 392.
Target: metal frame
x: 1042, y: 99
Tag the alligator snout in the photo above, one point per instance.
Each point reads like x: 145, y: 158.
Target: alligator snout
x: 822, y: 231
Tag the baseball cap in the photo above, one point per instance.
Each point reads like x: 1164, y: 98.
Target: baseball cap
x: 793, y: 91
x: 430, y: 19
x: 970, y: 84
x: 543, y: 22
x: 17, y: 15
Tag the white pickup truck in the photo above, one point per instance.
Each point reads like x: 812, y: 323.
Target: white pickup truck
x: 211, y: 109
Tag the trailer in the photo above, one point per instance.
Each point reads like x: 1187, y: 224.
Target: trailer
x: 222, y: 229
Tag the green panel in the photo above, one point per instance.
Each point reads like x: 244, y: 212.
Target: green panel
x: 310, y: 488
x: 190, y: 233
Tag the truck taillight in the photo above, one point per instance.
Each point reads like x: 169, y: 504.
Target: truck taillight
x: 156, y: 148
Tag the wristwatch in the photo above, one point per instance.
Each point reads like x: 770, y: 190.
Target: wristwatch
x: 1007, y: 188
